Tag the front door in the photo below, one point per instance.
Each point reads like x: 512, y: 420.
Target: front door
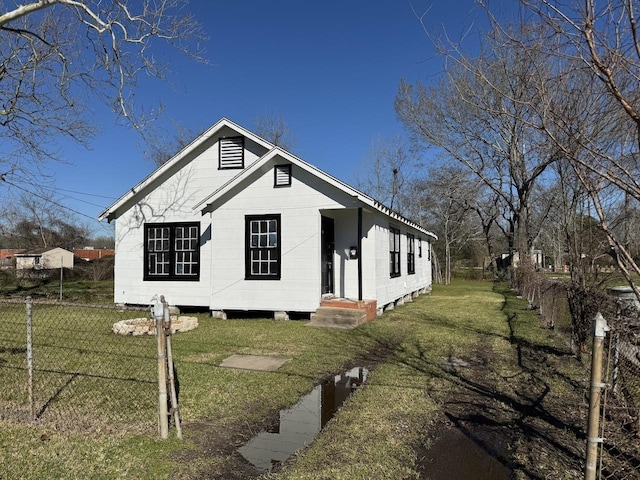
x: 328, y: 248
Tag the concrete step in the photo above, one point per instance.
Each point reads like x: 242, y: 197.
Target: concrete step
x: 338, y: 317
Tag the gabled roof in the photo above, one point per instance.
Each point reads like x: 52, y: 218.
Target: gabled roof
x: 143, y: 185
x: 205, y: 205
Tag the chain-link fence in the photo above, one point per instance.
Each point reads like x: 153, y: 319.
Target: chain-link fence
x: 619, y: 455
x: 570, y: 310
x: 63, y: 365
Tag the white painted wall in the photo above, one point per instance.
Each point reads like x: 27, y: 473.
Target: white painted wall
x: 172, y: 202
x: 300, y: 207
x: 222, y: 284
x: 346, y: 236
x: 391, y: 289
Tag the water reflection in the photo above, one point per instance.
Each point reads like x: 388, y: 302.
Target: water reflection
x: 299, y: 425
x: 454, y: 456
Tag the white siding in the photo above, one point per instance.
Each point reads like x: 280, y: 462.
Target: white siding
x: 173, y: 202
x: 222, y: 284
x: 300, y: 208
x: 389, y: 289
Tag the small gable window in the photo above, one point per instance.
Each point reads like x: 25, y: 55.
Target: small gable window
x: 231, y: 152
x: 282, y: 175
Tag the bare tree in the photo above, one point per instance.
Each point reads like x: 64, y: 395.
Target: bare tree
x: 274, y: 129
x: 59, y: 56
x: 34, y: 222
x: 599, y: 45
x: 387, y: 173
x: 162, y: 145
x: 488, y: 210
x: 484, y: 115
x: 445, y: 200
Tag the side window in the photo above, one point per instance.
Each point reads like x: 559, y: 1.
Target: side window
x: 231, y: 152
x: 262, y: 247
x: 394, y: 252
x: 172, y: 251
x: 411, y: 256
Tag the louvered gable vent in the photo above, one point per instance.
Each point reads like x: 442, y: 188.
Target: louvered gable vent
x: 232, y: 152
x: 282, y: 175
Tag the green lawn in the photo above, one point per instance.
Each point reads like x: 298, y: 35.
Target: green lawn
x: 377, y: 434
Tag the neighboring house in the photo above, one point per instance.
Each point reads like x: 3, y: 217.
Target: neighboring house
x: 505, y: 260
x: 7, y: 256
x: 233, y: 222
x: 89, y: 253
x: 44, y: 258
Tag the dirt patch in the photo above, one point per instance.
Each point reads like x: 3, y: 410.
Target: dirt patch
x: 518, y: 425
x: 214, y: 454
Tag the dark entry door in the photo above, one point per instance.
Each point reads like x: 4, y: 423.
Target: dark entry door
x: 328, y: 247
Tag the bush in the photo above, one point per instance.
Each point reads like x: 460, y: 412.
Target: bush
x: 94, y: 270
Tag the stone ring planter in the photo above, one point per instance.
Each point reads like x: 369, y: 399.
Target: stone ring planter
x: 146, y: 326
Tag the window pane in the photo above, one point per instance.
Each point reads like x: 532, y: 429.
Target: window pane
x: 172, y: 251
x: 262, y: 247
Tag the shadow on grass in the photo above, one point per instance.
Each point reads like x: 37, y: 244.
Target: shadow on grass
x: 500, y: 413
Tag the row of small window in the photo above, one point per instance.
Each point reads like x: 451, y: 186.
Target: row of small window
x: 172, y: 250
x: 231, y: 155
x: 394, y: 252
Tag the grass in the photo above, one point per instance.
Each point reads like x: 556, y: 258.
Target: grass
x: 379, y: 433
x: 73, y: 290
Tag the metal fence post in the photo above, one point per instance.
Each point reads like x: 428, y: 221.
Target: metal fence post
x: 600, y: 328
x: 172, y: 383
x: 163, y: 414
x: 29, y: 306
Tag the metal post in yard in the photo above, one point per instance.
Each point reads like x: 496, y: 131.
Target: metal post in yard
x: 172, y: 383
x: 163, y: 416
x: 600, y: 328
x: 29, y: 305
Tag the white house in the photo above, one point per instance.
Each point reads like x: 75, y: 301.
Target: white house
x: 232, y: 222
x: 44, y: 258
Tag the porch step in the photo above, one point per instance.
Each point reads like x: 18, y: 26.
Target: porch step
x: 338, y: 317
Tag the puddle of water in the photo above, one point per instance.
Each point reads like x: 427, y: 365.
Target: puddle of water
x: 454, y: 456
x: 299, y: 425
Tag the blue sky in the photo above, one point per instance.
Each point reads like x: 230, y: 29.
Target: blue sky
x: 330, y: 69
